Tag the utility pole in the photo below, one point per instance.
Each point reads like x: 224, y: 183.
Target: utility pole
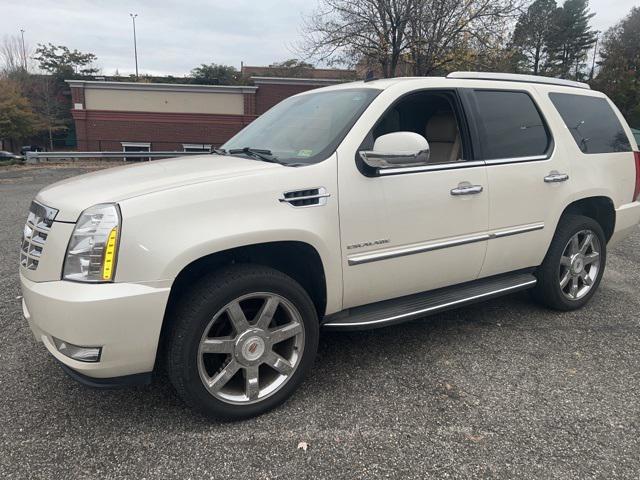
x: 24, y: 51
x: 135, y: 43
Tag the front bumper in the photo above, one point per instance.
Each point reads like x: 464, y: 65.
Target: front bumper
x: 123, y: 318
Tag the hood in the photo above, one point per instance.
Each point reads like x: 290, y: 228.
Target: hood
x: 73, y: 195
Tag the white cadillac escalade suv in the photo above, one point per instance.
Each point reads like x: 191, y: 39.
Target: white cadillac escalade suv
x: 354, y: 206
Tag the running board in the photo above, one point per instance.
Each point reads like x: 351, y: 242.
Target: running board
x: 398, y: 310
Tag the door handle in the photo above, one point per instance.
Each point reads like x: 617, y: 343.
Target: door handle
x: 556, y: 177
x: 465, y: 188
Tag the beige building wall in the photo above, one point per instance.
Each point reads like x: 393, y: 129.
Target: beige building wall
x: 231, y: 103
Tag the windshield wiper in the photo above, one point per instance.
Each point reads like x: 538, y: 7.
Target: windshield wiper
x: 264, y: 155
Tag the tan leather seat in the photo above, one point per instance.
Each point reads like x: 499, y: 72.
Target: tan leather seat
x: 444, y: 139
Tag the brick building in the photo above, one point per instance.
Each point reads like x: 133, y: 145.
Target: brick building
x: 131, y: 116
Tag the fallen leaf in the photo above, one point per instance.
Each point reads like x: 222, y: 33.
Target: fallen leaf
x: 303, y: 446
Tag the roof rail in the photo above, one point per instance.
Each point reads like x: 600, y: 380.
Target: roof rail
x: 515, y: 77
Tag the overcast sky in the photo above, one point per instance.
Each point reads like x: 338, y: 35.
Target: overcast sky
x: 174, y: 36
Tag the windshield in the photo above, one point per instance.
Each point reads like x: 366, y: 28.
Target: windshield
x: 307, y: 128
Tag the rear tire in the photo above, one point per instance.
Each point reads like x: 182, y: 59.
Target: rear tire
x: 242, y: 341
x: 572, y: 269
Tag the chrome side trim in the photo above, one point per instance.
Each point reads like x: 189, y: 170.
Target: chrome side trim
x: 413, y: 249
x: 460, y: 164
x: 471, y: 163
x: 516, y: 230
x: 432, y: 167
x: 499, y: 161
x: 436, y: 307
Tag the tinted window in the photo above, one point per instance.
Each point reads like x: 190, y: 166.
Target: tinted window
x: 510, y: 125
x: 592, y: 123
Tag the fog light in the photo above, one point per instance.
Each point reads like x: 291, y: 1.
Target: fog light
x: 82, y: 354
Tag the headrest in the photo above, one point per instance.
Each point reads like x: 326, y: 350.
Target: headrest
x: 442, y: 127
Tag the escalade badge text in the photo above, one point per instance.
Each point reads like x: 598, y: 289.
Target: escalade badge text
x: 374, y: 243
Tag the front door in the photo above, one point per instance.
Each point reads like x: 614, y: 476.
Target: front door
x: 413, y: 229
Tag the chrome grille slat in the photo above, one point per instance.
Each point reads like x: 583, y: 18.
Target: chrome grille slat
x: 38, y: 240
x: 35, y: 233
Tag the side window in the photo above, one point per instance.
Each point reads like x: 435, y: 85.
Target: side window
x: 592, y: 123
x: 510, y: 125
x: 430, y: 114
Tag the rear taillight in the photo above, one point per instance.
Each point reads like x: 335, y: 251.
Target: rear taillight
x: 636, y: 192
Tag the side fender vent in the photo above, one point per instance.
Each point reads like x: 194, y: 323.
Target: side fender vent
x: 310, y: 197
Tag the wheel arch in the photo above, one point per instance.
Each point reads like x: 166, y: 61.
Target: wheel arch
x: 297, y: 259
x: 599, y: 208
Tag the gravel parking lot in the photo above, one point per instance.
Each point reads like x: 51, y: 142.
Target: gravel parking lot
x: 503, y: 389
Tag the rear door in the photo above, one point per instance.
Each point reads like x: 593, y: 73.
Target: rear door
x: 528, y: 175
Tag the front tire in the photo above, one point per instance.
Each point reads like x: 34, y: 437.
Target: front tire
x: 242, y: 341
x: 572, y: 269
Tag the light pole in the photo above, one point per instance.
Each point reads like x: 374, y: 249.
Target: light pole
x: 595, y: 54
x: 135, y: 43
x: 24, y: 51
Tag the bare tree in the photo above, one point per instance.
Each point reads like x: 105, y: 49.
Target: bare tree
x: 49, y: 105
x: 347, y: 31
x: 444, y: 31
x: 423, y: 35
x: 14, y: 57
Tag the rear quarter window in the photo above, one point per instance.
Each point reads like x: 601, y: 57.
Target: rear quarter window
x: 592, y: 122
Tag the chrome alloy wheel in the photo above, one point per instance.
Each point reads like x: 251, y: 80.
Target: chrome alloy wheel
x: 251, y: 348
x: 579, y: 264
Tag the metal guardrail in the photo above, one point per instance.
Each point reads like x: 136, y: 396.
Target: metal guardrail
x: 35, y: 157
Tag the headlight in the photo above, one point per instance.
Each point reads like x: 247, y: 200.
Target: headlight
x: 93, y: 248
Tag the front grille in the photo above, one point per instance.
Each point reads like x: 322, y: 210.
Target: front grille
x: 35, y: 234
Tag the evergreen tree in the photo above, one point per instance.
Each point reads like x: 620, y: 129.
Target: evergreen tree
x: 531, y: 34
x: 619, y: 75
x: 570, y: 39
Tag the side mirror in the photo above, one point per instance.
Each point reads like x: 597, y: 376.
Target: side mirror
x: 398, y: 149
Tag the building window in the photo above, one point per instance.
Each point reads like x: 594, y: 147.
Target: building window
x: 136, y: 147
x: 197, y: 147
